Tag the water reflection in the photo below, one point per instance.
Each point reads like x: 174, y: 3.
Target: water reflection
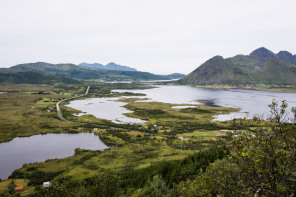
x: 39, y: 148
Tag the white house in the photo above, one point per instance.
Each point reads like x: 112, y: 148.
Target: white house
x: 46, y: 184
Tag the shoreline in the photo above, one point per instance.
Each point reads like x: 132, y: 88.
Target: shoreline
x: 272, y: 89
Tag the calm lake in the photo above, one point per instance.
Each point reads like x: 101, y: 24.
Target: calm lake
x: 250, y: 102
x: 39, y: 148
x: 104, y: 108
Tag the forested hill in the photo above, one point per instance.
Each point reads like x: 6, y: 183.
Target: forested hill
x: 87, y: 73
x: 262, y: 66
x: 34, y: 78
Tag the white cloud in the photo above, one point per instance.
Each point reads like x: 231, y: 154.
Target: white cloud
x: 160, y: 36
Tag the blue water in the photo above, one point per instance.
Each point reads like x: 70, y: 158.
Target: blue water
x: 39, y: 148
x: 250, y: 102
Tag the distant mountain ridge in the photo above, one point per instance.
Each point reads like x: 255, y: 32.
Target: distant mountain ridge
x: 87, y: 73
x: 262, y: 66
x: 110, y: 66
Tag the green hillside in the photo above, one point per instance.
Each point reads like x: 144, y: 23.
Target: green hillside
x: 86, y: 73
x: 34, y: 78
x: 260, y: 67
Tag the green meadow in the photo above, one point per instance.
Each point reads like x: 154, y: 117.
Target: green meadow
x: 132, y: 147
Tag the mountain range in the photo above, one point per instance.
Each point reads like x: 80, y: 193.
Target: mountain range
x: 87, y: 73
x: 110, y: 66
x: 261, y: 66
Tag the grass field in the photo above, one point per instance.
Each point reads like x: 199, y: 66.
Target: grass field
x: 28, y: 114
x: 203, y: 133
x: 46, y: 101
x: 19, y: 183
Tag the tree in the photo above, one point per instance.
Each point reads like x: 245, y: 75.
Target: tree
x: 221, y: 178
x: 267, y: 161
x: 156, y: 188
x: 11, y: 187
x: 263, y: 164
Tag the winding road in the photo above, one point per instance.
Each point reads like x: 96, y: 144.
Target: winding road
x: 58, y: 105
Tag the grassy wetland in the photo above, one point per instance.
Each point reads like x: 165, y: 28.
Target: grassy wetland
x: 28, y: 113
x: 31, y: 110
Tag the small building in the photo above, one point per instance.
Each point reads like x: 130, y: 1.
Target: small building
x: 95, y: 129
x: 185, y: 138
x: 19, y: 189
x: 46, y: 184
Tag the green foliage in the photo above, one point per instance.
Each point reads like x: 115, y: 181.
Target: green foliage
x: 180, y: 127
x: 155, y: 187
x: 103, y: 185
x: 175, y: 171
x: 153, y: 113
x: 268, y: 159
x: 196, y: 110
x: 156, y: 180
x: 55, y: 190
x: 220, y: 179
x: 263, y: 164
x: 10, y: 190
x: 11, y: 187
x: 36, y: 177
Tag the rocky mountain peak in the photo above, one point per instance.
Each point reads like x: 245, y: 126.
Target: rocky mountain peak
x: 287, y: 57
x: 263, y: 53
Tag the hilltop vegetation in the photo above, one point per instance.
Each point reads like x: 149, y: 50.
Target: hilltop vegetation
x: 260, y: 67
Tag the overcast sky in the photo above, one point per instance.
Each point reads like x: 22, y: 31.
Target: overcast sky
x: 159, y: 36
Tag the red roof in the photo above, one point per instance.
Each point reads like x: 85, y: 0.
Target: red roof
x: 18, y: 188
